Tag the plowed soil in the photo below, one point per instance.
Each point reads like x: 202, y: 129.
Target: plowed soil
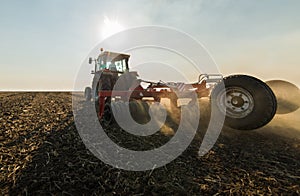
x: 41, y: 153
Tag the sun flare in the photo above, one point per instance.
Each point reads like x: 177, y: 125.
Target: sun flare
x: 110, y: 27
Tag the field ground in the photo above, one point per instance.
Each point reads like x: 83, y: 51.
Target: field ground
x: 41, y: 153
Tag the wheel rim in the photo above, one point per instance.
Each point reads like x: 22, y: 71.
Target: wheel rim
x: 236, y: 102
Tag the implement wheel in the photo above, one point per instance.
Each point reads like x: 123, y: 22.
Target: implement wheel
x: 247, y: 102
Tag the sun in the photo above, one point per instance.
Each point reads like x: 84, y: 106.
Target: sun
x: 110, y: 27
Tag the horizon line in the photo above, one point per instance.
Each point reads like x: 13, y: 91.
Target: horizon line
x: 32, y: 90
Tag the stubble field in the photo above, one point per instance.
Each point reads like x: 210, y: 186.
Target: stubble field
x: 41, y: 153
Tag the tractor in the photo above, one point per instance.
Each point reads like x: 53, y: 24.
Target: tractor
x: 247, y: 102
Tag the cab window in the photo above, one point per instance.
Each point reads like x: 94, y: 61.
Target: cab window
x: 100, y: 65
x: 120, y: 65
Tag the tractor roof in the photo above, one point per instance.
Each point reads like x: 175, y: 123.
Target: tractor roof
x: 113, y: 56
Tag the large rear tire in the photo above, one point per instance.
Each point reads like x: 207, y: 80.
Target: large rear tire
x: 104, y: 84
x: 108, y: 117
x: 247, y: 102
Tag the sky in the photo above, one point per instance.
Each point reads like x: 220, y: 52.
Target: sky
x: 44, y: 43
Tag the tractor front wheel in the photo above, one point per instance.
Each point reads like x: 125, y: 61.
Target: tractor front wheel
x: 88, y: 93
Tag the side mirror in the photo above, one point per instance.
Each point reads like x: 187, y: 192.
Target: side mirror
x: 90, y: 60
x: 92, y: 72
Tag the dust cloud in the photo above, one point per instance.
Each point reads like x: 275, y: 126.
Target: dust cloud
x: 286, y: 122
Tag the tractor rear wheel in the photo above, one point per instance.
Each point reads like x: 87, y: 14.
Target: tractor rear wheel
x: 246, y: 102
x: 108, y: 117
x: 104, y: 84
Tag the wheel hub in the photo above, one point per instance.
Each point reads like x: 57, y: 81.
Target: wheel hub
x: 236, y: 102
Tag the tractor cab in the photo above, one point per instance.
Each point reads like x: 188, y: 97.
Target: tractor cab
x: 111, y: 62
x: 108, y: 67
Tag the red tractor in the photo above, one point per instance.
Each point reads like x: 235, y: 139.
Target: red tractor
x: 247, y: 102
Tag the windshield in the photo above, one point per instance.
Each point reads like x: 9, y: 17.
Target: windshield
x: 119, y: 66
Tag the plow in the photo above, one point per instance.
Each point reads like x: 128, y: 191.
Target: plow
x: 246, y: 102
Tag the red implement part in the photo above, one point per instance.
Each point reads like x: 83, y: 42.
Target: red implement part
x: 156, y: 92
